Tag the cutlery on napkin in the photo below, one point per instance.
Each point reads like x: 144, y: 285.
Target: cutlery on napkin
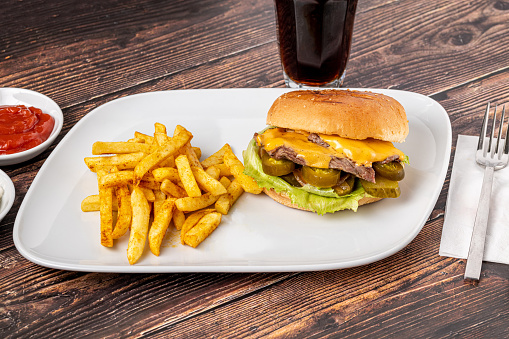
x: 462, y: 202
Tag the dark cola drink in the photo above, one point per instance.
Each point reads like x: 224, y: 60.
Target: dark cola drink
x: 314, y: 40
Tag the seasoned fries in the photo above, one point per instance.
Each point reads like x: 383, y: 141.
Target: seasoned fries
x: 116, y: 179
x: 106, y: 212
x: 92, y: 203
x: 237, y: 169
x: 172, y: 189
x: 207, y: 182
x: 225, y: 201
x: 202, y: 229
x: 121, y: 147
x: 216, y: 158
x: 124, y: 209
x: 152, y: 181
x: 162, y: 173
x: 121, y: 161
x: 163, y: 152
x: 187, y: 177
x: 160, y: 225
x: 139, y: 225
x: 191, y: 221
x: 190, y: 204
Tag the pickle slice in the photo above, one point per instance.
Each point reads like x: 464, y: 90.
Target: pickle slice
x: 276, y: 167
x: 392, y: 170
x: 320, y: 177
x: 382, y: 188
x: 345, y: 187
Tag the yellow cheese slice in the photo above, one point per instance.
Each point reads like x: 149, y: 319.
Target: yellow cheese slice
x: 362, y: 152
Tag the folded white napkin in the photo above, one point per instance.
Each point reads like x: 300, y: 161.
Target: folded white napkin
x: 461, y: 208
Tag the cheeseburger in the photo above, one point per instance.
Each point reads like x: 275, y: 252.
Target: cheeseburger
x: 329, y: 150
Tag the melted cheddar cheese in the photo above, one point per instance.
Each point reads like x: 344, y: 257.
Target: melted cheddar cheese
x: 362, y: 152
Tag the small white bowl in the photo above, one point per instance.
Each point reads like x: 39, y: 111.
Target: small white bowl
x: 8, y: 196
x: 19, y: 96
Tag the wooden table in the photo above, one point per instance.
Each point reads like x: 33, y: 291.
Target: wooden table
x: 86, y: 53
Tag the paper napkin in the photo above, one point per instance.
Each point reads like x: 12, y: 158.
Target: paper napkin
x: 461, y: 207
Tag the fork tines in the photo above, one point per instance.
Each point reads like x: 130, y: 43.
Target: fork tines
x: 493, y: 149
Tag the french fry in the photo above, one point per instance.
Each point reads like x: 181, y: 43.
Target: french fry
x: 186, y: 176
x: 191, y: 220
x: 162, y: 173
x: 214, y: 172
x: 171, y: 189
x: 188, y: 150
x: 160, y: 225
x: 159, y: 128
x: 139, y: 225
x: 138, y: 140
x: 216, y: 158
x: 223, y: 204
x: 197, y: 152
x: 225, y: 182
x: 190, y: 204
x: 160, y: 135
x: 160, y: 197
x: 106, y: 213
x: 202, y: 229
x: 237, y: 169
x: 123, y: 198
x: 147, y: 138
x: 206, y: 182
x: 235, y: 190
x: 163, y: 152
x: 116, y: 178
x: 178, y: 218
x: 168, y: 162
x: 150, y: 183
x: 224, y: 171
x: 119, y: 147
x: 122, y: 161
x: 178, y: 129
x: 149, y: 194
x: 226, y: 201
x: 92, y: 203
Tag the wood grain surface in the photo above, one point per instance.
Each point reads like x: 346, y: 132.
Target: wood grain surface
x: 86, y: 53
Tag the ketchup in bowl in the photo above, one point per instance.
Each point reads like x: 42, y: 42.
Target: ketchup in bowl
x: 22, y: 128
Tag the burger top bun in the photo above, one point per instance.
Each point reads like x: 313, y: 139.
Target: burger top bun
x: 346, y: 113
x: 283, y: 199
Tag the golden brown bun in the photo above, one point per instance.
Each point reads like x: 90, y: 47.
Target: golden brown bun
x: 283, y: 199
x: 349, y: 114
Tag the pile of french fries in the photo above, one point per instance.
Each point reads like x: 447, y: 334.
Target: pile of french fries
x: 149, y: 181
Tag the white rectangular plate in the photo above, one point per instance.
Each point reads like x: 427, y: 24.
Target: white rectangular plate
x: 258, y: 235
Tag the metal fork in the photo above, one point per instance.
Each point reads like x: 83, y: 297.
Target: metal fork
x: 493, y: 156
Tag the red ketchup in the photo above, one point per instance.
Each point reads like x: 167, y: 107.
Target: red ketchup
x: 22, y: 128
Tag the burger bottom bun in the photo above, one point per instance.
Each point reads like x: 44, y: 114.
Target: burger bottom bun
x: 283, y: 199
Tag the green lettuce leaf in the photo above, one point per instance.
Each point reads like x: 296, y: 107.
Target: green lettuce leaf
x: 319, y: 200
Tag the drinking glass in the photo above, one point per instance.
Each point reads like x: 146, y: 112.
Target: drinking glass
x: 314, y: 38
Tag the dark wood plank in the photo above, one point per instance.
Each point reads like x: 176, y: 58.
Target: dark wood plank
x: 428, y: 47
x: 105, y: 47
x: 137, y: 43
x: 38, y: 302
